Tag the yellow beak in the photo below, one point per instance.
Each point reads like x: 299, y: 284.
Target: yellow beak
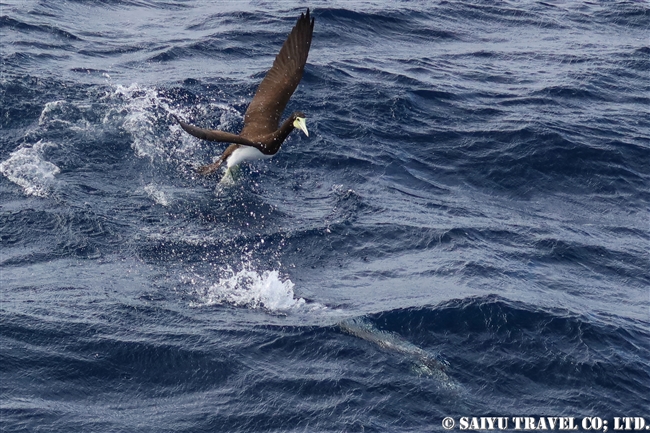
x: 300, y: 123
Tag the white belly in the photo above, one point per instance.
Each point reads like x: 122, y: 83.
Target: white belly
x: 245, y: 153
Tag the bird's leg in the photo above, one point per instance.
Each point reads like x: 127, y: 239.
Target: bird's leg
x: 209, y: 169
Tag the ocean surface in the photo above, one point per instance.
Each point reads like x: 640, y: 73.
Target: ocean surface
x: 465, y: 232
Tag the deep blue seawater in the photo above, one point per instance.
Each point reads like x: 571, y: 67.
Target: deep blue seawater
x: 465, y: 232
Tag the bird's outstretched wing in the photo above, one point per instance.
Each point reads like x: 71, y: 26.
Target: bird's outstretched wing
x: 215, y: 134
x: 272, y: 95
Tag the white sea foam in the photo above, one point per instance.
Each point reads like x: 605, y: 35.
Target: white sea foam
x: 157, y: 195
x: 27, y: 168
x: 47, y: 110
x: 248, y: 288
x: 66, y: 115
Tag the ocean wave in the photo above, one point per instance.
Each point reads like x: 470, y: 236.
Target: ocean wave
x: 14, y: 24
x: 470, y: 208
x: 515, y: 345
x: 27, y: 167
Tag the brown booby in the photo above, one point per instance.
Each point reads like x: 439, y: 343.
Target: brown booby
x: 260, y: 138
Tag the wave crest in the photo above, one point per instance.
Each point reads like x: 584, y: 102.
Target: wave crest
x: 27, y: 168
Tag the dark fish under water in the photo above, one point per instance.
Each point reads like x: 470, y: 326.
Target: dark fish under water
x: 425, y: 362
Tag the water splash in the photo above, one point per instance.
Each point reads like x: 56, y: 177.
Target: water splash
x: 251, y: 289
x: 144, y: 112
x: 142, y: 108
x: 157, y: 195
x: 230, y: 176
x: 65, y: 115
x: 27, y: 167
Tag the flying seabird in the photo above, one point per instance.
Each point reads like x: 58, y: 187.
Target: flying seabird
x: 260, y: 138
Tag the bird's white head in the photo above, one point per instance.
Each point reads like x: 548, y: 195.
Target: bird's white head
x: 301, y: 124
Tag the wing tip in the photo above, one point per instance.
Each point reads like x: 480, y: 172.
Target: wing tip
x: 305, y: 17
x: 186, y: 126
